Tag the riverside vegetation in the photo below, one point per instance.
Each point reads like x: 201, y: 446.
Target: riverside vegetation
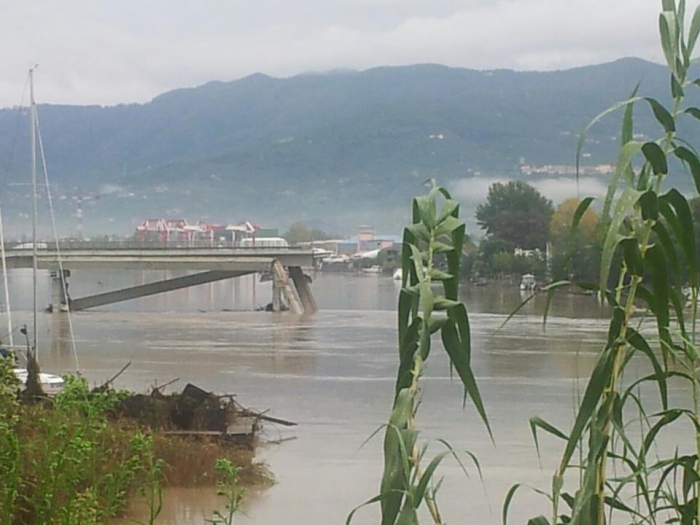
x: 613, y: 468
x: 75, y: 459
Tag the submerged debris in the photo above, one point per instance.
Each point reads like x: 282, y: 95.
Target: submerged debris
x: 192, y: 412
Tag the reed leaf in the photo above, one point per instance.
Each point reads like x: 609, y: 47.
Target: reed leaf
x: 538, y: 422
x: 623, y: 207
x: 628, y: 115
x: 623, y: 167
x: 458, y: 350
x: 662, y: 115
x: 691, y: 161
x: 551, y: 290
x: 507, y: 501
x: 655, y: 157
x: 649, y: 205
x: 664, y: 238
x: 667, y: 30
x: 637, y: 341
x: 685, y: 232
x: 594, y: 389
x: 666, y: 418
x: 657, y: 266
x: 677, y: 90
x: 454, y: 259
x: 427, y: 476
x: 632, y: 256
x: 694, y: 32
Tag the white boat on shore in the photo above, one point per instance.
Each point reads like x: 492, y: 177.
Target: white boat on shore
x: 375, y: 269
x: 528, y: 283
x: 51, y: 384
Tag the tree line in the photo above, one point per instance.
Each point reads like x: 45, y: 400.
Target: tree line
x: 525, y: 233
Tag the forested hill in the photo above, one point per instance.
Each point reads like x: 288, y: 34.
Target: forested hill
x: 337, y: 148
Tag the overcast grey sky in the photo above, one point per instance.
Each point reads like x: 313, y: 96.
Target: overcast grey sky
x: 112, y: 51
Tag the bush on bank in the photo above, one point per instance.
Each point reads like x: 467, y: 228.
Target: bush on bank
x: 68, y: 460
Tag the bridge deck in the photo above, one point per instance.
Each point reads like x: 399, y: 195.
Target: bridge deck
x: 224, y: 259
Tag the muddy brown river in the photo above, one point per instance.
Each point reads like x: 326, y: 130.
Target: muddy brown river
x: 333, y: 374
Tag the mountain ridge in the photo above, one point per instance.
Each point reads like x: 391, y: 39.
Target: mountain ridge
x: 275, y: 150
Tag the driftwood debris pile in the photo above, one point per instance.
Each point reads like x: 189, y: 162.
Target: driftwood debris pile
x: 192, y: 412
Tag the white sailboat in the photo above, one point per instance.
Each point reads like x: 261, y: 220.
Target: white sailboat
x: 51, y: 383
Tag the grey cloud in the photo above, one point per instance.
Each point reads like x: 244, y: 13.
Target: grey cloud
x: 108, y: 52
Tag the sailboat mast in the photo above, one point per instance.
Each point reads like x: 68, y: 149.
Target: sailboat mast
x: 5, y: 284
x: 32, y: 117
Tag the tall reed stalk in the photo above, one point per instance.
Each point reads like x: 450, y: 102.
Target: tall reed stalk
x: 431, y: 255
x: 650, y: 232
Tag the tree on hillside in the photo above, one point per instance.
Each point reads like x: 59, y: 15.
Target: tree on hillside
x: 517, y: 213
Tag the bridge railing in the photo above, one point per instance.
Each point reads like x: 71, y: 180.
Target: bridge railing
x: 143, y: 246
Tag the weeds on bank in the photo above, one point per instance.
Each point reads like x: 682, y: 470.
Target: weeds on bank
x: 228, y: 487
x: 66, y: 460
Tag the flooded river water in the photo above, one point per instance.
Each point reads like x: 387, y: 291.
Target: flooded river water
x: 333, y: 374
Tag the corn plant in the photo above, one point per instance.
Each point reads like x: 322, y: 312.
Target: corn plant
x: 432, y: 248
x: 611, y: 449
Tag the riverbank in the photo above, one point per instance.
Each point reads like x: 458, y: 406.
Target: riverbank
x: 85, y: 454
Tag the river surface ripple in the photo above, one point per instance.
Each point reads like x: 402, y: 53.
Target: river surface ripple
x: 333, y: 374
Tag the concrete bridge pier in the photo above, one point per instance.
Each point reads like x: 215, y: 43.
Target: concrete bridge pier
x: 302, y: 283
x: 282, y: 286
x: 59, y: 290
x: 277, y: 286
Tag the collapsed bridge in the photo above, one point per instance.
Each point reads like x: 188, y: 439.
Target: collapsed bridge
x: 210, y: 264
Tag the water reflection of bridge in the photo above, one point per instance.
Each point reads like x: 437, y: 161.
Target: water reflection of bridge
x: 210, y: 265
